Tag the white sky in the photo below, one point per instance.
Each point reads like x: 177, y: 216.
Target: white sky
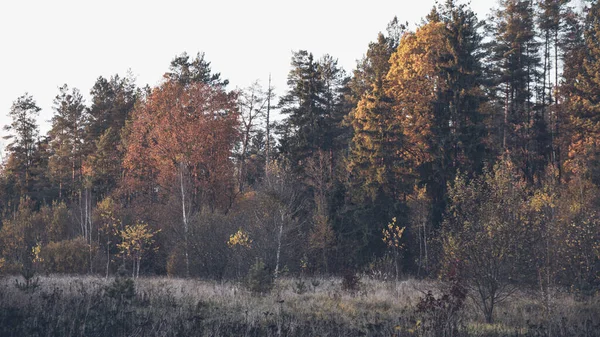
x: 45, y: 43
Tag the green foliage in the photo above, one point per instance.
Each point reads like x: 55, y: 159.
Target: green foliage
x: 122, y: 288
x: 186, y: 71
x: 67, y: 142
x: 22, y: 135
x: 312, y: 105
x: 260, y: 278
x: 300, y: 286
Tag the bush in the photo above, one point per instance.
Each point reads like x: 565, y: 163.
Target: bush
x: 260, y: 278
x: 30, y: 283
x: 441, y: 316
x: 67, y: 256
x: 300, y: 286
x: 351, y: 282
x: 123, y: 287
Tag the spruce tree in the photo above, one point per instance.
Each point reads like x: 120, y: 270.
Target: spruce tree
x: 514, y: 57
x: 311, y: 107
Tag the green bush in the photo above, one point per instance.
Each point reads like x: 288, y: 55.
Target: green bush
x: 260, y: 278
x: 123, y: 287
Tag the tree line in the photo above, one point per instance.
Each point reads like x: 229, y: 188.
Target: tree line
x: 463, y: 146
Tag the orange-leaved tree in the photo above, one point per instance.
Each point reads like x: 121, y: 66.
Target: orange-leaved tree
x: 179, y: 145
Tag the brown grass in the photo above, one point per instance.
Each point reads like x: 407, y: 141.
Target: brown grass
x: 79, y: 306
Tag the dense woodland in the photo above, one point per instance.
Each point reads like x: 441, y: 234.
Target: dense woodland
x: 462, y: 149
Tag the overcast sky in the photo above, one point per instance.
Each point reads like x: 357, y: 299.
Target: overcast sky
x: 48, y: 43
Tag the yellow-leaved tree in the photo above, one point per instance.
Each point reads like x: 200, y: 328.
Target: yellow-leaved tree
x: 109, y: 225
x: 392, y: 235
x: 137, y: 240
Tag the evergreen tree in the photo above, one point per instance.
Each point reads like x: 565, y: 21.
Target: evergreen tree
x: 551, y: 22
x: 310, y: 105
x: 112, y: 103
x: 22, y: 135
x: 186, y: 71
x: 457, y: 130
x: 584, y: 101
x: 103, y: 166
x: 514, y: 57
x: 376, y: 171
x: 374, y: 133
x: 67, y: 141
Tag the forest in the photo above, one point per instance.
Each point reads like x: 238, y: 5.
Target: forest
x: 462, y: 150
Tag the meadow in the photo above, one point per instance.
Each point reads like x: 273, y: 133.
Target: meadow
x: 160, y: 306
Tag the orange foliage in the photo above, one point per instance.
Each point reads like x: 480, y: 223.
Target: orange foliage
x: 414, y: 83
x: 183, y: 132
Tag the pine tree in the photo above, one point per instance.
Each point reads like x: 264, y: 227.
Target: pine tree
x: 67, y: 141
x: 186, y: 71
x: 515, y: 61
x: 22, y: 136
x: 112, y: 103
x: 457, y: 128
x: 551, y: 22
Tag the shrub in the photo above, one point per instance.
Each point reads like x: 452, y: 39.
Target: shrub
x: 300, y: 286
x: 441, y: 316
x: 123, y: 287
x: 351, y: 282
x: 30, y: 284
x: 260, y: 278
x: 67, y: 256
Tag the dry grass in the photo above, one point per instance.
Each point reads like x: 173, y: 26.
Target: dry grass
x: 79, y: 306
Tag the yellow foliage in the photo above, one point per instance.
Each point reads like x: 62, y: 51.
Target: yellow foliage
x: 414, y: 83
x: 392, y: 235
x: 543, y: 199
x: 240, y: 238
x: 35, y: 251
x: 136, y: 239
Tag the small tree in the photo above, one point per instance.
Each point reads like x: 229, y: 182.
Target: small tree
x: 242, y: 240
x: 484, y: 236
x: 392, y: 235
x: 136, y: 241
x: 109, y: 227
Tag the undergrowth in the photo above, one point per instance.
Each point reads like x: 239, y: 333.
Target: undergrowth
x: 90, y: 306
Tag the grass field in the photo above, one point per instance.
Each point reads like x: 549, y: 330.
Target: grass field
x: 92, y: 306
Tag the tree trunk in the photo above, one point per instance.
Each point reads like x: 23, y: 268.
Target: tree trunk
x: 185, y: 222
x: 279, y: 245
x: 268, y: 130
x: 107, y: 259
